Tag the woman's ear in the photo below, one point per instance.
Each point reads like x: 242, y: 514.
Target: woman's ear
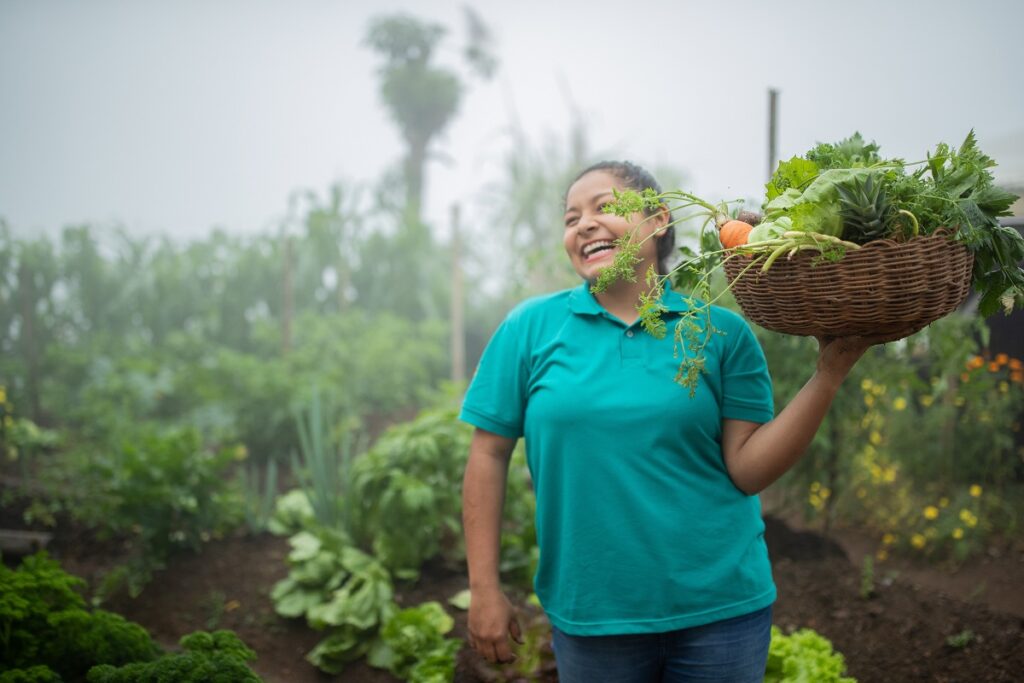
x: 660, y: 221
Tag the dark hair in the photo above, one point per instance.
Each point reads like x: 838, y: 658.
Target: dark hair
x: 639, y: 179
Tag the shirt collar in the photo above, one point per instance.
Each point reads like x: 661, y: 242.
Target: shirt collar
x: 582, y: 300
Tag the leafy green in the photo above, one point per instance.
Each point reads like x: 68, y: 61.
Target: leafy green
x: 803, y: 657
x: 218, y: 657
x: 164, y: 491
x: 44, y: 622
x: 791, y: 175
x: 413, y: 647
x: 850, y: 152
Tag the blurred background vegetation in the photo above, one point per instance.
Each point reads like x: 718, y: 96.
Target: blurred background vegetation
x: 164, y: 392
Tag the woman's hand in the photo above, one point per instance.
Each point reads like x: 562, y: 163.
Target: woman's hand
x: 492, y: 622
x: 838, y: 355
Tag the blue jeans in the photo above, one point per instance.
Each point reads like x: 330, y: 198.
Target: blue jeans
x: 730, y: 651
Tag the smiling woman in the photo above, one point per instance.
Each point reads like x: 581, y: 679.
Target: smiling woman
x: 651, y: 539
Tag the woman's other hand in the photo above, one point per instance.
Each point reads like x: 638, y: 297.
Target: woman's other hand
x: 492, y: 623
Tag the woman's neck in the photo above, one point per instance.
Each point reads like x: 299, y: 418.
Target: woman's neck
x: 621, y: 299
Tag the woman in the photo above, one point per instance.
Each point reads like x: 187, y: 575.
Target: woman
x: 652, y: 558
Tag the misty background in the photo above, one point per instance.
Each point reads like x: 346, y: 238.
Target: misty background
x: 176, y: 117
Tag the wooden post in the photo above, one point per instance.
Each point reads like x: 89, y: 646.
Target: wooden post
x: 458, y: 339
x: 773, y: 105
x: 287, y: 298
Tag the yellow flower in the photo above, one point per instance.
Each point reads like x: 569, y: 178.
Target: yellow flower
x: 958, y: 533
x: 899, y: 403
x: 975, y: 490
x: 241, y: 452
x: 890, y: 475
x: 815, y: 487
x: 1004, y: 387
x: 876, y: 438
x: 865, y: 385
x: 926, y: 400
x: 917, y: 540
x: 968, y: 518
x: 943, y: 502
x: 959, y: 401
x: 3, y: 394
x: 878, y: 389
x: 931, y: 512
x: 869, y: 400
x: 882, y: 555
x: 815, y: 501
x: 888, y: 539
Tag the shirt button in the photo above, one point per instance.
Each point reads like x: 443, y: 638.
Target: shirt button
x: 629, y: 333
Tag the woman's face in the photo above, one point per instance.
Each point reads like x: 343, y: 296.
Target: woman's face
x: 590, y: 233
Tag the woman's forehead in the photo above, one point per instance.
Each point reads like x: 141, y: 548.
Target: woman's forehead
x: 592, y: 186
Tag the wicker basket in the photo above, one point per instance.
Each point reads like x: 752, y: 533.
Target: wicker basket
x: 884, y: 289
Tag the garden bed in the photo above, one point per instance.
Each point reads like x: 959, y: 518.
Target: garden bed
x: 899, y: 634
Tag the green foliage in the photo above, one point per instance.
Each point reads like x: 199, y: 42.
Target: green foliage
x: 324, y: 470
x: 851, y: 152
x: 412, y: 645
x: 163, y: 491
x: 867, y: 577
x: 868, y: 464
x: 218, y: 657
x: 795, y: 173
x: 259, y: 499
x: 33, y: 674
x: 337, y: 588
x: 881, y: 198
x: 44, y: 623
x: 408, y: 491
x: 292, y: 513
x: 961, y: 640
x: 803, y: 657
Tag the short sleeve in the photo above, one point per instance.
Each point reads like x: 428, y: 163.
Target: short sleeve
x: 746, y: 384
x: 496, y: 398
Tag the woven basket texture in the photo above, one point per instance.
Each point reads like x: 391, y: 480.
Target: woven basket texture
x: 885, y: 289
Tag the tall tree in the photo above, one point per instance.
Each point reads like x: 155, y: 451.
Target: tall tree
x: 423, y: 98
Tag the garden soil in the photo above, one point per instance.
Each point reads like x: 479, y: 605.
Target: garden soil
x: 900, y: 633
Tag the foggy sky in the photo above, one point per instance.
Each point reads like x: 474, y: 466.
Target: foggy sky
x: 179, y: 116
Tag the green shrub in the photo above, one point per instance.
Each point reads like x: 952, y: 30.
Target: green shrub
x: 218, y: 657
x: 408, y: 489
x: 44, y: 622
x: 164, y: 491
x: 34, y: 674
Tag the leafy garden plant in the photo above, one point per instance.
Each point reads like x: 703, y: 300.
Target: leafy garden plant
x: 804, y: 655
x: 46, y: 627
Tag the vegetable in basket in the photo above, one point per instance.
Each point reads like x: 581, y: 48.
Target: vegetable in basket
x: 833, y: 199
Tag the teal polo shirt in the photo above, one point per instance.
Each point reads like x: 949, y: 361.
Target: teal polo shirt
x: 640, y: 528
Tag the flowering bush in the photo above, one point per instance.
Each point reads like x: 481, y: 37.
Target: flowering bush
x: 922, y: 445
